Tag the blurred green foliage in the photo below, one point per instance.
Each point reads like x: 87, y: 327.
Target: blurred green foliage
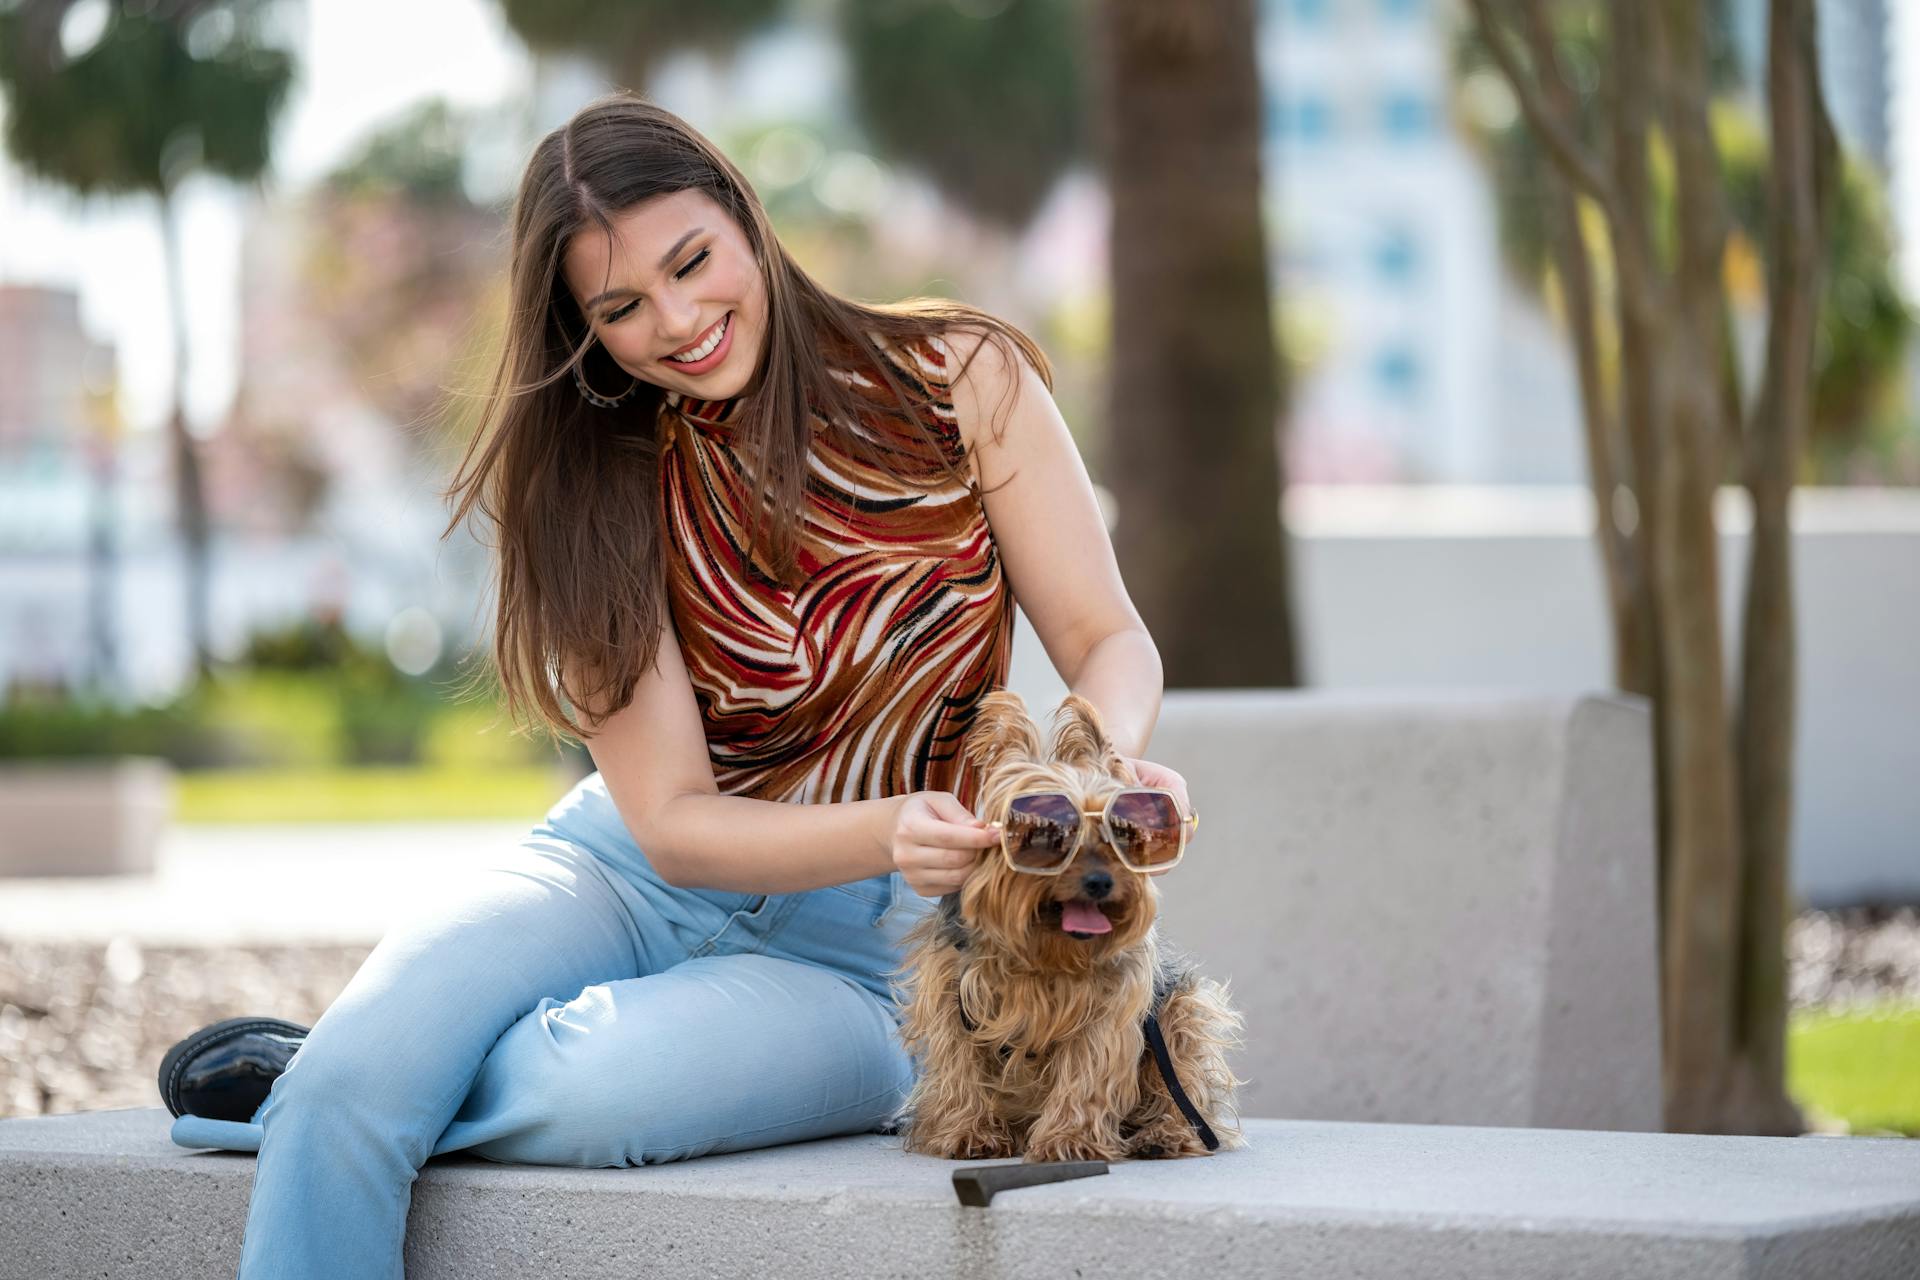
x: 308, y: 695
x: 1859, y: 1065
x: 372, y: 793
x: 1861, y: 406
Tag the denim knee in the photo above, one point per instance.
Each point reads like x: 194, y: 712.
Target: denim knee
x: 558, y: 1089
x: 363, y: 1097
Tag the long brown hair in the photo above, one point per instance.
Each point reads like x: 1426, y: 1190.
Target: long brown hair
x: 571, y: 490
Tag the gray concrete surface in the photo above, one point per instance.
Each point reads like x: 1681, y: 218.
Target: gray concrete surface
x: 107, y: 1195
x: 1431, y: 908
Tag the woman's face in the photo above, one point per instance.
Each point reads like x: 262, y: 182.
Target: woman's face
x: 678, y: 279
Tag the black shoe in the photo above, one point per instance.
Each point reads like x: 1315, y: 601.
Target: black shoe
x: 224, y: 1071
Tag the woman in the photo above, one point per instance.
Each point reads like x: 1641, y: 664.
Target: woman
x: 690, y: 954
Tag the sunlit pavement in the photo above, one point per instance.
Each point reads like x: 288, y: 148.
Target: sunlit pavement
x: 268, y: 883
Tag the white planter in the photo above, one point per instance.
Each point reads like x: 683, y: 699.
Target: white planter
x: 84, y: 817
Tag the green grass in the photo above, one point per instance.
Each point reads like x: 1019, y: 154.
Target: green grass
x: 368, y: 794
x: 1862, y: 1066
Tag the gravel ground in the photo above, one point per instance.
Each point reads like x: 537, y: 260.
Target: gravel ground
x: 83, y: 1026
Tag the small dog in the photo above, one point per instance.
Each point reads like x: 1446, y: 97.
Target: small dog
x: 1026, y: 996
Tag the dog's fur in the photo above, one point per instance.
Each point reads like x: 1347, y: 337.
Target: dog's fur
x: 1057, y: 1066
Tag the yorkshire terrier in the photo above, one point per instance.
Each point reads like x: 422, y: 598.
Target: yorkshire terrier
x: 1027, y: 997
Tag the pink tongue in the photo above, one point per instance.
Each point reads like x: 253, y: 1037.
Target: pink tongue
x: 1081, y: 916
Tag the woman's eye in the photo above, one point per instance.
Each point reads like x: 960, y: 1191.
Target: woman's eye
x: 681, y: 274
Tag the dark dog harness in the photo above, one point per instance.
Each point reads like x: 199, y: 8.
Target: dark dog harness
x: 1163, y: 984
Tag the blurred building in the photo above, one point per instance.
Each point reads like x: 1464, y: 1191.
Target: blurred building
x: 1854, y: 40
x: 57, y: 442
x: 49, y: 369
x: 1424, y: 363
x: 1856, y: 44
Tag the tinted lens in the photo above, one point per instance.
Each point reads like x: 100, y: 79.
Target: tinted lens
x: 1146, y: 827
x: 1040, y: 830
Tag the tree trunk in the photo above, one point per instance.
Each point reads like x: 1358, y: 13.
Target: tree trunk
x: 1637, y: 281
x: 1193, y: 392
x: 189, y: 492
x: 1796, y: 189
x: 1607, y: 453
x: 1704, y: 883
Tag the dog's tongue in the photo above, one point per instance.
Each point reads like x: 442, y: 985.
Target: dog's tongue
x: 1081, y: 916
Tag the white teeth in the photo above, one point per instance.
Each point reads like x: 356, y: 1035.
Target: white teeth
x: 705, y: 349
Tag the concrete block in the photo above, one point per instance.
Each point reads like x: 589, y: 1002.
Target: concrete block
x: 93, y: 817
x: 1431, y: 907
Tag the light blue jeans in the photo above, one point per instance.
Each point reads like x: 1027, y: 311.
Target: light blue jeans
x: 566, y: 1006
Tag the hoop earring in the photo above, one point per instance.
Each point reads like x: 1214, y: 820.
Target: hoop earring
x: 594, y: 397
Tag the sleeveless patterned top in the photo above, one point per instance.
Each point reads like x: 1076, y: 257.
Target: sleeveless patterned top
x: 861, y: 683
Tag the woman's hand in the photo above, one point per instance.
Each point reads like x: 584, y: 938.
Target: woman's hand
x: 935, y: 842
x: 1148, y: 774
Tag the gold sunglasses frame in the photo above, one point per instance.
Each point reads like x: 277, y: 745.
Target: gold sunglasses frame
x: 1188, y: 825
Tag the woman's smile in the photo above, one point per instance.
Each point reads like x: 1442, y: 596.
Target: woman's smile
x: 710, y: 347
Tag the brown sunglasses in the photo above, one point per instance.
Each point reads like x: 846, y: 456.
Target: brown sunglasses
x: 1041, y: 831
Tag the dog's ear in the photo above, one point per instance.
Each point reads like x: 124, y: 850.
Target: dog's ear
x: 1001, y: 731
x: 1079, y: 738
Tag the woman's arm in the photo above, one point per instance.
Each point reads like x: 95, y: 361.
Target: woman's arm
x: 743, y: 845
x: 1052, y: 540
x: 1121, y: 677
x: 652, y: 754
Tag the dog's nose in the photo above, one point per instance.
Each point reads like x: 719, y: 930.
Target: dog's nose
x: 1098, y: 884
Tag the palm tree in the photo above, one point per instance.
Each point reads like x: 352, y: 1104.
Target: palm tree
x: 630, y: 38
x: 1195, y: 384
x: 168, y: 88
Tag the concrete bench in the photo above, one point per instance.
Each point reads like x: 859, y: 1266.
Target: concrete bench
x: 1431, y: 907
x: 108, y: 1195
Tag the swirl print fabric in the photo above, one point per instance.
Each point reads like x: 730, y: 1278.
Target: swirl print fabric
x: 860, y: 683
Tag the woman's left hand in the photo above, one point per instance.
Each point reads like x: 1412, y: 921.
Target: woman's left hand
x: 1148, y: 774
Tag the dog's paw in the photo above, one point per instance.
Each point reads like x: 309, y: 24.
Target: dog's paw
x: 1161, y: 1144
x: 989, y: 1147
x: 1070, y: 1148
x: 968, y: 1146
x: 1154, y: 1151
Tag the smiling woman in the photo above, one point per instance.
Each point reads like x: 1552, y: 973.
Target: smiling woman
x: 698, y: 298
x: 646, y: 265
x: 746, y: 552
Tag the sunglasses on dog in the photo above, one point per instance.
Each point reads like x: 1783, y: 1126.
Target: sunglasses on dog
x: 1041, y: 831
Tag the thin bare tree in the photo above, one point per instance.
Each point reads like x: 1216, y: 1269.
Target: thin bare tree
x: 1662, y: 433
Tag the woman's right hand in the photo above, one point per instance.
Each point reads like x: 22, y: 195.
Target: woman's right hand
x: 935, y: 842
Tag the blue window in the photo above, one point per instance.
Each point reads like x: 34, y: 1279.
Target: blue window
x: 1313, y: 118
x: 1406, y: 116
x: 1305, y: 118
x: 1396, y: 255
x: 1401, y: 10
x: 1309, y: 11
x: 1397, y: 370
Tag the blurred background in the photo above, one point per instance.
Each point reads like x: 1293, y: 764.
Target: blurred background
x: 251, y: 261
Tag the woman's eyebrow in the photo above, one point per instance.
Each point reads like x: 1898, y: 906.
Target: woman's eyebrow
x: 665, y: 258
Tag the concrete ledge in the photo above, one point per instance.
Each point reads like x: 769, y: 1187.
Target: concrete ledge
x: 106, y: 1194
